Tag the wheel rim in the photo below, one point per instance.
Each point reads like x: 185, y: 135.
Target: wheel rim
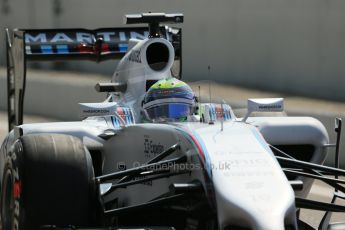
x: 7, y: 206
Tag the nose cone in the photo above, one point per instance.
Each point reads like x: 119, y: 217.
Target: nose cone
x: 250, y: 188
x: 260, y: 201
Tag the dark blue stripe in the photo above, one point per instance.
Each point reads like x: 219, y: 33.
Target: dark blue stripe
x: 115, y: 122
x: 46, y: 49
x: 62, y: 49
x: 123, y: 48
x: 125, y: 110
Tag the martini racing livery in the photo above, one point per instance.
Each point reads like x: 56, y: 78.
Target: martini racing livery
x: 151, y: 156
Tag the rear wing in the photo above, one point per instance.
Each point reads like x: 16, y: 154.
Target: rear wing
x: 68, y: 44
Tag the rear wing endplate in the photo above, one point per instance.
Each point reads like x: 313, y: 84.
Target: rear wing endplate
x: 68, y: 44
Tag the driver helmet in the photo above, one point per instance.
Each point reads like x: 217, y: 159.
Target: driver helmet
x: 169, y: 100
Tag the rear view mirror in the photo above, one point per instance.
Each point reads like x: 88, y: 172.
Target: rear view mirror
x: 264, y: 105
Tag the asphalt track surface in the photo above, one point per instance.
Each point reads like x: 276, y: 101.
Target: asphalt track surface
x: 319, y: 191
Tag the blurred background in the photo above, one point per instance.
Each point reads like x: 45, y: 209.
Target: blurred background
x: 290, y: 46
x: 250, y: 48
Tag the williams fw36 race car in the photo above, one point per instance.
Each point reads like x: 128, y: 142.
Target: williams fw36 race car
x: 153, y: 156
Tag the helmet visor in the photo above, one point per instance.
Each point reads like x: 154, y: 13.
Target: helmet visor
x: 171, y: 111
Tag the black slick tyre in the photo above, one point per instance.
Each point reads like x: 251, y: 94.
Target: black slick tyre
x: 47, y: 180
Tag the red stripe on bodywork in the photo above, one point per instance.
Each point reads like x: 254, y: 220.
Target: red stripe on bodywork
x: 85, y: 48
x: 120, y: 112
x: 105, y: 48
x: 195, y: 142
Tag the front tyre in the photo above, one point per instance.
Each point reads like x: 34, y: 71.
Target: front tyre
x: 48, y: 179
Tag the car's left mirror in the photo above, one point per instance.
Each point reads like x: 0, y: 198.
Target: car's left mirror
x: 264, y: 105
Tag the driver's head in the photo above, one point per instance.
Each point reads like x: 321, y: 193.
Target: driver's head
x: 169, y: 100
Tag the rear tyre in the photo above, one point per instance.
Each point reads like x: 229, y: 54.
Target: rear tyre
x: 48, y: 179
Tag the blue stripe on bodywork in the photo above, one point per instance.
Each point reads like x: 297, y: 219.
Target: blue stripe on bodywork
x: 207, y: 161
x: 261, y: 139
x: 130, y: 116
x: 125, y: 110
x: 206, y: 154
x: 62, y: 49
x: 123, y: 48
x: 208, y: 174
x: 46, y: 49
x: 115, y: 122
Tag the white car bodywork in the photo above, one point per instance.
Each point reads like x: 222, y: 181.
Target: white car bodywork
x: 229, y: 156
x: 248, y: 185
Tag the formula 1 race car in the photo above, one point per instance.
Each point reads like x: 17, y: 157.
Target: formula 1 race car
x: 151, y: 156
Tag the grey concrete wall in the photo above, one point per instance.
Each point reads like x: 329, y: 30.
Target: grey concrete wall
x: 295, y: 46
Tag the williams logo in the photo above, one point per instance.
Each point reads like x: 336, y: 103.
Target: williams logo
x: 270, y: 106
x: 135, y: 56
